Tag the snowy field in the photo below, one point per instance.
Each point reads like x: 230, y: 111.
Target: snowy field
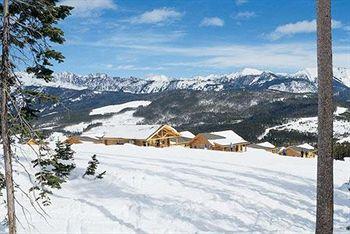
x: 178, y: 190
x: 309, y: 125
x: 118, y: 117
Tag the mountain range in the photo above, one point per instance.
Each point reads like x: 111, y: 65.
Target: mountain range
x: 304, y: 81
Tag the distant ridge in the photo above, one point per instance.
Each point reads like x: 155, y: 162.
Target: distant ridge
x: 304, y: 81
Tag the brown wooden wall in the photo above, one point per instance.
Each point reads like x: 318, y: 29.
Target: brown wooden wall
x: 200, y: 142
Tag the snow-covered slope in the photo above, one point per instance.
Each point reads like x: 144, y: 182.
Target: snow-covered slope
x: 178, y: 190
x: 303, y: 81
x: 309, y: 125
x: 118, y: 117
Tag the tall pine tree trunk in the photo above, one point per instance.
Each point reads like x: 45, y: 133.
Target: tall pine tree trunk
x: 324, y: 219
x: 5, y: 78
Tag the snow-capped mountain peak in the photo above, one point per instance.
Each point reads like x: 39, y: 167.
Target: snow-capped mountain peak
x: 158, y: 78
x: 303, y: 81
x: 308, y: 73
x: 250, y: 72
x: 343, y: 75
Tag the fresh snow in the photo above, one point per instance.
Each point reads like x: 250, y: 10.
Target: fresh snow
x: 187, y: 134
x: 228, y: 137
x: 309, y: 125
x: 117, y: 118
x: 340, y: 110
x: 302, y: 81
x: 117, y: 108
x: 180, y: 190
x: 123, y: 131
x: 267, y: 145
x: 29, y: 80
x: 250, y: 72
x: 306, y: 146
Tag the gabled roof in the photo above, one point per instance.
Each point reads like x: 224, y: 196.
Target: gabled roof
x: 139, y: 132
x: 304, y: 147
x: 227, y: 137
x: 187, y: 134
x: 266, y: 144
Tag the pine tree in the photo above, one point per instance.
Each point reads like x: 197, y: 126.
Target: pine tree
x: 46, y: 178
x: 63, y: 160
x: 92, y: 167
x: 28, y: 30
x: 54, y: 170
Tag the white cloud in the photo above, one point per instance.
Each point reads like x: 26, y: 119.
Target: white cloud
x: 244, y: 15
x: 240, y: 2
x: 132, y: 67
x: 213, y: 21
x: 156, y: 16
x: 304, y: 26
x: 269, y: 56
x: 86, y: 8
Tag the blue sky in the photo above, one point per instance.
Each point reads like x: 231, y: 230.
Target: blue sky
x: 182, y: 38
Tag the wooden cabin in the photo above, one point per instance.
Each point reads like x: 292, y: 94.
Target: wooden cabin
x: 303, y: 151
x: 141, y: 135
x: 223, y: 141
x: 265, y: 146
x: 184, y: 139
x: 32, y: 142
x: 73, y: 140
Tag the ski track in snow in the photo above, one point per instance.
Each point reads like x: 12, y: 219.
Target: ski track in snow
x: 178, y: 190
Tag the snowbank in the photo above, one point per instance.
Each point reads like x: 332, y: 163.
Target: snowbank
x: 178, y: 190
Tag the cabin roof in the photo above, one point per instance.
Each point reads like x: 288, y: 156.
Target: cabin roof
x: 227, y: 137
x: 266, y: 144
x: 139, y: 132
x: 187, y: 134
x: 304, y: 147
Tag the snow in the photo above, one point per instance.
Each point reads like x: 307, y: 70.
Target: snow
x: 159, y: 78
x: 294, y: 87
x: 250, y: 72
x: 343, y: 75
x: 306, y: 146
x: 118, y: 108
x: 30, y: 80
x: 340, y: 110
x: 309, y: 73
x: 123, y: 131
x: 229, y: 137
x: 309, y: 125
x: 118, y: 118
x: 187, y: 134
x: 180, y: 190
x: 346, y: 139
x: 77, y: 128
x: 267, y: 145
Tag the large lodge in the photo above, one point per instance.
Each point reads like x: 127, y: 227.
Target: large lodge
x: 166, y: 136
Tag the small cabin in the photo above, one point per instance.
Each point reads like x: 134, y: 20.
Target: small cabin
x: 73, y: 140
x: 32, y: 142
x: 184, y: 139
x: 267, y: 146
x: 141, y: 135
x: 303, y: 151
x: 223, y: 141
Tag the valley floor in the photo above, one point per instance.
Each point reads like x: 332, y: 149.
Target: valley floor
x: 178, y: 190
